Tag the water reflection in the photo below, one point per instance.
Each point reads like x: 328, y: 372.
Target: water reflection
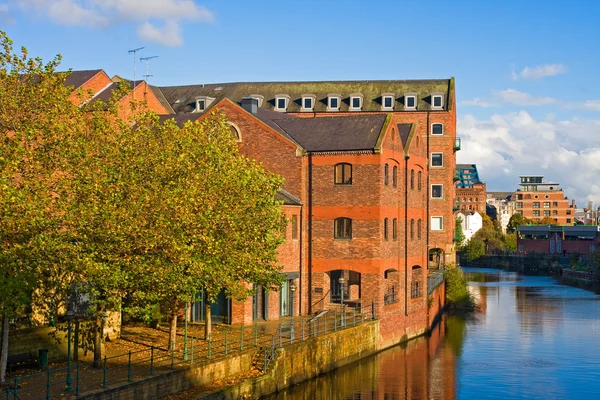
x: 531, y: 339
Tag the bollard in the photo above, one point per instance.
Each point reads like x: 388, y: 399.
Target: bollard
x: 47, y: 384
x: 77, y: 381
x: 241, y: 338
x: 104, y: 374
x: 128, y: 367
x: 152, y: 361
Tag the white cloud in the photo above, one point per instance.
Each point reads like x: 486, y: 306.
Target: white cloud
x: 592, y: 105
x: 147, y: 13
x: 168, y: 35
x: 540, y: 72
x: 478, y: 102
x: 509, y: 96
x: 508, y: 145
x: 5, y: 17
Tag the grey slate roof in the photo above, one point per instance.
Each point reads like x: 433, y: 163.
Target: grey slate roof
x: 78, y: 78
x: 404, y: 131
x: 182, y: 98
x: 500, y: 195
x: 340, y: 133
x: 287, y: 198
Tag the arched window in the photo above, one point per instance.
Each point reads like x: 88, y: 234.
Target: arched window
x: 235, y: 132
x: 437, y: 129
x: 419, y: 183
x: 343, y: 174
x: 386, y: 171
x: 395, y: 176
x: 395, y: 229
x: 412, y: 178
x: 419, y: 229
x: 342, y: 228
x: 385, y: 228
x: 412, y: 229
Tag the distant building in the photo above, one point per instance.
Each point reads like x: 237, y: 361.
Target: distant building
x: 471, y: 223
x: 501, y: 206
x: 554, y: 239
x: 537, y: 199
x: 470, y: 192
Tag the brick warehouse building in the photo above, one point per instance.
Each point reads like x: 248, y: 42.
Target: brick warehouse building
x: 471, y: 192
x: 361, y: 159
x: 537, y: 199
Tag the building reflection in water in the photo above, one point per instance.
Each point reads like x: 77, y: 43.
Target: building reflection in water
x: 423, y: 368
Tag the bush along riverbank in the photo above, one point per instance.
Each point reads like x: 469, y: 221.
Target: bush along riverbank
x: 458, y: 298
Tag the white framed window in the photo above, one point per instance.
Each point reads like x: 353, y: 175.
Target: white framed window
x: 356, y: 102
x: 387, y: 101
x: 437, y: 223
x: 437, y: 191
x: 202, y: 103
x: 308, y: 102
x: 259, y: 97
x: 437, y: 159
x: 410, y: 102
x: 281, y: 102
x: 437, y: 101
x: 333, y: 102
x: 437, y: 129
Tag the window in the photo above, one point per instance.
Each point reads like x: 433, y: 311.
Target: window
x: 519, y: 197
x: 385, y: 228
x: 546, y: 204
x: 521, y: 247
x: 281, y: 102
x: 410, y: 102
x: 568, y: 220
x: 386, y: 172
x: 536, y: 213
x: 437, y: 223
x: 419, y: 183
x: 546, y: 213
x: 437, y: 159
x: 333, y: 102
x: 387, y: 102
x: 356, y: 102
x: 519, y: 204
x: 201, y: 105
x: 235, y: 132
x: 395, y: 176
x: 536, y: 196
x: 343, y: 174
x: 536, y: 204
x: 555, y: 204
x: 554, y: 212
x: 395, y: 229
x: 412, y: 178
x: 419, y: 223
x: 437, y: 191
x: 308, y: 102
x: 437, y: 101
x: 568, y: 212
x: 415, y: 290
x: 412, y: 229
x: 437, y: 129
x: 342, y: 228
x: 519, y: 212
x: 294, y: 227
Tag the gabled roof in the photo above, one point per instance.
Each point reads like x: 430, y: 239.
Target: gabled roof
x: 287, y: 198
x: 339, y: 133
x: 78, y: 78
x: 183, y: 98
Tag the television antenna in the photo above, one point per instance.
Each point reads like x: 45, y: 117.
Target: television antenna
x: 134, y: 51
x: 147, y: 59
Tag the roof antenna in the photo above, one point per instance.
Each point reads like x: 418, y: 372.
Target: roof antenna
x: 134, y: 51
x: 146, y: 59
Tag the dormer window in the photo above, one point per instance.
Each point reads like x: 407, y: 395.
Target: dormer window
x: 259, y: 98
x: 410, y: 102
x: 356, y: 102
x: 387, y: 102
x: 333, y: 102
x: 308, y: 102
x: 202, y: 103
x: 281, y: 102
x: 437, y: 101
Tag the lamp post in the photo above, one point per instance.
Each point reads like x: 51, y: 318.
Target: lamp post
x: 292, y: 290
x: 341, y: 281
x: 69, y: 316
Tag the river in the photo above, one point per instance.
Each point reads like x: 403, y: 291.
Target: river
x: 532, y: 338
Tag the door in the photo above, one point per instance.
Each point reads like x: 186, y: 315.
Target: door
x: 284, y: 296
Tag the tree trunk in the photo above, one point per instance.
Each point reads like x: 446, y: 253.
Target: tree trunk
x: 4, y: 349
x: 207, y: 321
x: 173, y: 331
x: 98, y: 337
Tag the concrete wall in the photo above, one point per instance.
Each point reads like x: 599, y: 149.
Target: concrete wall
x: 31, y: 340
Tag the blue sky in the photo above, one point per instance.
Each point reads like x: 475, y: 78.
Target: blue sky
x: 526, y: 71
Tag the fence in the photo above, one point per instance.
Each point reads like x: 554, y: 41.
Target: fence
x: 79, y: 378
x: 434, y: 279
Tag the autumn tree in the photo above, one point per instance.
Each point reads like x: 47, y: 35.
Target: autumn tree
x: 516, y: 220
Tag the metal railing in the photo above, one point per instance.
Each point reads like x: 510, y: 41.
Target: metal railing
x: 434, y: 279
x: 155, y: 360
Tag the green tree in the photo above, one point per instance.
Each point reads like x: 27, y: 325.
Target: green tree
x: 474, y: 249
x: 547, y: 221
x: 459, y: 236
x: 490, y: 234
x: 516, y: 220
x: 510, y: 242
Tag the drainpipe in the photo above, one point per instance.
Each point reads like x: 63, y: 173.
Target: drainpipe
x: 309, y: 222
x: 427, y: 217
x: 406, y: 233
x: 300, y: 280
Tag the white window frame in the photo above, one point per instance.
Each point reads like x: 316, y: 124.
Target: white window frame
x: 437, y: 134
x: 387, y: 96
x: 441, y: 224
x: 431, y: 160
x: 414, y: 97
x: 333, y: 96
x: 431, y: 191
x: 258, y: 97
x: 286, y: 100
x: 433, y: 97
x: 360, y: 102
x: 312, y: 99
x: 207, y: 102
x: 200, y: 108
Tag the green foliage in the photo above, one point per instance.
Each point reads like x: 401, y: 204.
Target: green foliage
x: 474, y: 249
x: 510, y: 242
x: 459, y: 236
x: 516, y: 220
x: 457, y: 292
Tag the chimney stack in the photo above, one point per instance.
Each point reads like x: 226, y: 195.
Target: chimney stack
x: 250, y: 104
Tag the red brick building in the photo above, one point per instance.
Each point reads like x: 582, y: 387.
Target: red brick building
x: 561, y: 240
x: 537, y: 199
x: 358, y: 159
